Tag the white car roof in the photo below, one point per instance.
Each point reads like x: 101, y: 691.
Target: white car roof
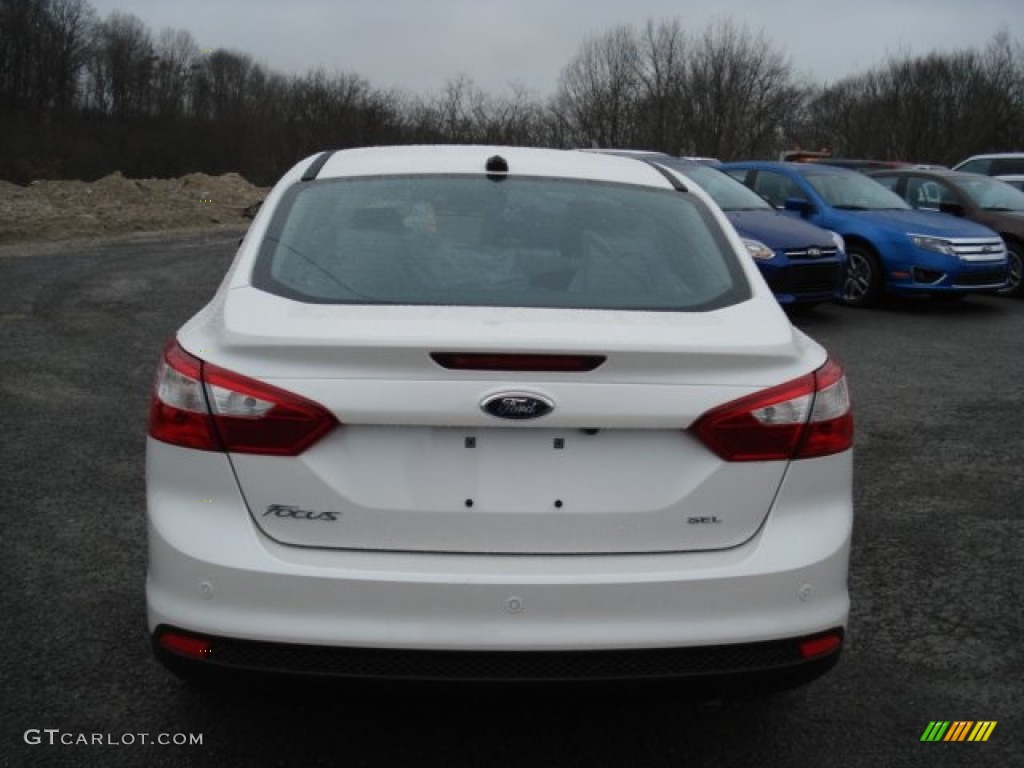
x: 522, y: 161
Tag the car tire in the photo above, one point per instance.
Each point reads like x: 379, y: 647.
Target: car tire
x: 862, y: 285
x: 1014, y: 254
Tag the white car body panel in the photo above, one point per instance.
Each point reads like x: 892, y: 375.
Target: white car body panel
x: 212, y: 570
x: 411, y: 489
x: 270, y: 337
x: 398, y: 476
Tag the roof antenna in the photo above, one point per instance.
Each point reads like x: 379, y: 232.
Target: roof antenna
x: 496, y: 167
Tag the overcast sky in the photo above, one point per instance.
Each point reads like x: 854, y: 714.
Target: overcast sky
x: 418, y: 45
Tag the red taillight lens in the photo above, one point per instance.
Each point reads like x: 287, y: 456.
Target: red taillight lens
x: 198, y: 405
x: 801, y: 419
x: 178, y: 413
x: 821, y: 645
x: 253, y: 417
x: 186, y: 645
x: 830, y: 427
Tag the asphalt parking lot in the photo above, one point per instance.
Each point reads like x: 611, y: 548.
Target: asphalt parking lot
x: 937, y: 575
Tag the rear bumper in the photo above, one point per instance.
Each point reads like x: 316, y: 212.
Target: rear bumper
x: 737, y: 668
x: 212, y: 573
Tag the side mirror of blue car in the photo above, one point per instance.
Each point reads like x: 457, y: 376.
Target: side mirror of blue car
x: 799, y: 205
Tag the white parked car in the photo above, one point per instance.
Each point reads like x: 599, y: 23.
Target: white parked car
x: 994, y: 164
x: 497, y: 413
x: 1015, y: 180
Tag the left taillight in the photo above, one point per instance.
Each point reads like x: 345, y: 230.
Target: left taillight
x: 199, y: 405
x: 804, y: 418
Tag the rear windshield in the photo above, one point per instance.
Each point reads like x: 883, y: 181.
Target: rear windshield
x: 518, y: 242
x: 728, y: 193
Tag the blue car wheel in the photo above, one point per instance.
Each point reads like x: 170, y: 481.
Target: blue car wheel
x: 1014, y: 283
x: 863, y: 283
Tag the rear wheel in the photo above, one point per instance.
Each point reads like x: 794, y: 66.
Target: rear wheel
x: 1014, y: 285
x: 862, y: 286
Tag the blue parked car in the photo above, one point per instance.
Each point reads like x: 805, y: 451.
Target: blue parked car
x: 891, y: 247
x: 802, y: 264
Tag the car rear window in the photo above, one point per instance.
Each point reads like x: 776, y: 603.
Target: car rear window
x: 974, y: 166
x: 468, y: 240
x: 728, y: 193
x: 1007, y: 165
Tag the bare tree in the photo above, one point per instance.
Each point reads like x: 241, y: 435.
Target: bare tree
x: 516, y: 117
x: 225, y: 85
x: 68, y: 33
x: 939, y: 107
x: 177, y: 59
x: 327, y: 110
x: 82, y: 97
x: 43, y: 46
x: 599, y: 90
x: 739, y: 92
x: 121, y: 66
x: 1003, y: 64
x: 661, y: 71
x: 455, y: 109
x: 726, y: 92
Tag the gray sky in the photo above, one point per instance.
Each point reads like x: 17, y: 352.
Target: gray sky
x: 418, y: 45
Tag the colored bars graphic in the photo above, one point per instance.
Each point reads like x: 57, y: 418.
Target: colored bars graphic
x: 958, y: 730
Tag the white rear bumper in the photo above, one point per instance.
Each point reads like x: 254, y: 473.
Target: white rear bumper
x: 211, y: 571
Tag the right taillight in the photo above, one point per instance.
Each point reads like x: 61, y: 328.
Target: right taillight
x: 801, y: 419
x: 199, y: 405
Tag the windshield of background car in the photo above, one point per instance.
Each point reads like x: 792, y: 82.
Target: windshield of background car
x: 992, y: 195
x: 728, y: 194
x: 515, y: 242
x: 854, y: 191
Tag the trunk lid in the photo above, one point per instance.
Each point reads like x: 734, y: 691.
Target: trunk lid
x: 419, y: 465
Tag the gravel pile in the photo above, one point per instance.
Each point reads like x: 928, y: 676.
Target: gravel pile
x: 52, y: 211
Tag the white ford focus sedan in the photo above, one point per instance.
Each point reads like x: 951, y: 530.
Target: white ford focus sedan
x: 494, y: 413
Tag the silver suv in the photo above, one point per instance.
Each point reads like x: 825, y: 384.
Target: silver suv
x: 999, y: 164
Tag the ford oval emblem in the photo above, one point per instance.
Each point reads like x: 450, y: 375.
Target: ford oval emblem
x: 517, y: 405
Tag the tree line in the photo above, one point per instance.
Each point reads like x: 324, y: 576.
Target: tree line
x: 82, y: 96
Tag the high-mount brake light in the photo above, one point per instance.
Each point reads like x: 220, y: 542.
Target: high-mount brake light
x: 804, y: 418
x: 474, y: 361
x: 199, y: 405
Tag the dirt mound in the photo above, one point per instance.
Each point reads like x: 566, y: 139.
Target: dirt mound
x: 47, y: 211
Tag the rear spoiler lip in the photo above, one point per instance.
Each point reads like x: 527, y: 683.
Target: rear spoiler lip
x: 318, y: 163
